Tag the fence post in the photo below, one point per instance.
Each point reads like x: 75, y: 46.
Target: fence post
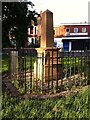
x: 48, y: 72
x: 42, y: 76
x: 9, y: 61
x: 89, y: 76
x: 14, y: 63
x: 89, y: 67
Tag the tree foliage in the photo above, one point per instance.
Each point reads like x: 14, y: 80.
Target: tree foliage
x: 16, y: 17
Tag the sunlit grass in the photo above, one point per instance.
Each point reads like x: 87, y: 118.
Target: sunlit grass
x: 74, y: 106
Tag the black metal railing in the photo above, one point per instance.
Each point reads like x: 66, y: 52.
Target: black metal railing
x: 49, y: 73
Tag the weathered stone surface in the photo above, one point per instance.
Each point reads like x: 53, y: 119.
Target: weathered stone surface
x: 14, y: 62
x: 47, y: 34
x: 47, y: 65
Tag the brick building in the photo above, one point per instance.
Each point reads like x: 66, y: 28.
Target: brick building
x: 34, y: 31
x: 74, y: 36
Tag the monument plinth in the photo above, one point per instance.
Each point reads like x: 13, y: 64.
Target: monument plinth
x: 47, y: 66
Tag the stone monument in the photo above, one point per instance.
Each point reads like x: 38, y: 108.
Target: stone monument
x: 46, y: 66
x: 14, y: 63
x: 47, y: 34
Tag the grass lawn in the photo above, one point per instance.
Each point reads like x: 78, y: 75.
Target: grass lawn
x: 74, y: 106
x: 29, y: 63
x: 4, y: 63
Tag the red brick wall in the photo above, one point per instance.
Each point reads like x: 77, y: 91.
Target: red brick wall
x: 63, y: 29
x: 79, y: 28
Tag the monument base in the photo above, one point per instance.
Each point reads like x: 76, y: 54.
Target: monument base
x: 52, y: 72
x: 47, y: 66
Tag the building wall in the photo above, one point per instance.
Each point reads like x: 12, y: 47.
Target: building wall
x: 80, y: 27
x: 39, y: 30
x: 61, y: 31
x: 56, y: 31
x: 89, y: 30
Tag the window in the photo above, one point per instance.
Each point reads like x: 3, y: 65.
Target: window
x: 67, y: 29
x: 35, y: 30
x: 83, y: 29
x: 54, y: 32
x: 31, y: 29
x: 75, y: 30
x: 67, y: 32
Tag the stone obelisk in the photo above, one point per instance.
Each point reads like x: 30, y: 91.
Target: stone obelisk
x: 44, y: 67
x: 47, y: 34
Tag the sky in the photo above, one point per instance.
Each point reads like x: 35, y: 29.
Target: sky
x: 64, y: 11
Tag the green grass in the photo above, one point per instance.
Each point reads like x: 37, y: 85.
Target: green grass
x: 4, y: 63
x: 29, y: 63
x: 74, y: 106
x: 74, y: 65
x: 67, y: 63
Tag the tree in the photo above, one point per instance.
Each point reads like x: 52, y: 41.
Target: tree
x: 16, y: 17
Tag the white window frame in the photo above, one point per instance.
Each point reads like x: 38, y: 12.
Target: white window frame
x: 83, y: 29
x: 75, y: 30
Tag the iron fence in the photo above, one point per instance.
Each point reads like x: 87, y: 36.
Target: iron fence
x: 38, y: 73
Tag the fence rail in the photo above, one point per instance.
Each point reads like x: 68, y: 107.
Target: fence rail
x: 34, y: 73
